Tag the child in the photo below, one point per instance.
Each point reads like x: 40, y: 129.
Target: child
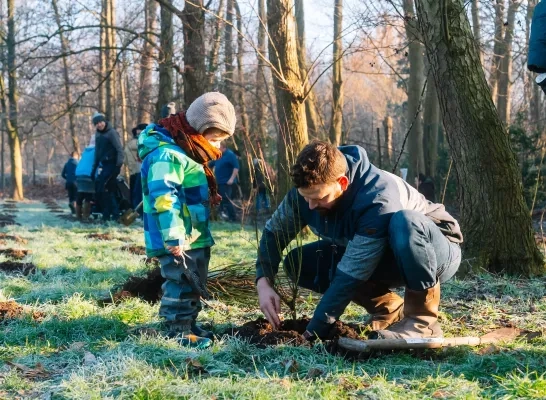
x: 178, y: 188
x: 69, y: 175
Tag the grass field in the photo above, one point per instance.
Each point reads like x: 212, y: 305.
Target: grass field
x: 63, y: 344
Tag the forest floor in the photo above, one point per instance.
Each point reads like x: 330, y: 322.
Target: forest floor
x: 78, y: 320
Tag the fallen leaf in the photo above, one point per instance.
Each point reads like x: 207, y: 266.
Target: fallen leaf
x: 77, y: 346
x: 31, y: 373
x: 491, y: 349
x: 89, y: 358
x: 440, y: 394
x: 500, y: 335
x: 195, y: 364
x: 290, y: 366
x: 314, y: 373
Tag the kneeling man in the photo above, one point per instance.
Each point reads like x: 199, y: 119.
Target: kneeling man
x: 375, y: 232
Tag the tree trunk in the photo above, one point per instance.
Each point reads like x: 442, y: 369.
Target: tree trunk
x: 67, y: 93
x: 146, y: 108
x: 213, y: 57
x: 260, y: 108
x: 13, y: 130
x: 228, y: 51
x: 336, y: 125
x: 102, y: 56
x: 415, y: 87
x: 431, y: 126
x: 110, y: 55
x: 387, y: 125
x: 497, y: 48
x: 123, y: 96
x: 289, y: 89
x: 313, y: 122
x: 165, y: 60
x: 495, y: 220
x: 195, y: 81
x: 505, y: 71
x: 476, y: 25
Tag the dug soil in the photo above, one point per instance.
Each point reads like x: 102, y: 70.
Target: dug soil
x: 138, y: 250
x: 261, y: 333
x: 10, y: 310
x: 100, y: 236
x: 18, y: 254
x: 18, y: 267
x: 147, y: 287
x: 15, y: 238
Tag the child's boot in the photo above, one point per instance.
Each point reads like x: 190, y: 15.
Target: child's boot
x: 182, y: 332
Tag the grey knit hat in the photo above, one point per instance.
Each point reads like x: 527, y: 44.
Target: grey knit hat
x: 212, y: 110
x: 98, y: 117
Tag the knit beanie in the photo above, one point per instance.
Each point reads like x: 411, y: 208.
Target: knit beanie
x: 139, y: 127
x: 168, y: 109
x: 98, y: 117
x: 212, y: 110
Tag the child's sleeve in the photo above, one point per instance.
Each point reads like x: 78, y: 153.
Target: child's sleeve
x: 166, y: 195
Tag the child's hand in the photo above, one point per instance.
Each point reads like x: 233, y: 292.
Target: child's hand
x: 175, y: 250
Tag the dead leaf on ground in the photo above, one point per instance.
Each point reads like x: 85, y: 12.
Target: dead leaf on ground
x: 290, y: 366
x: 491, y: 349
x: 314, y: 373
x: 441, y: 394
x: 38, y: 372
x: 195, y: 364
x: 501, y: 335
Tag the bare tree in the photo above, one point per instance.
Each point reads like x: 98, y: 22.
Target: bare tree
x: 387, y: 126
x: 165, y: 59
x: 415, y: 87
x: 68, y: 95
x: 228, y: 50
x: 476, y: 25
x: 261, y: 80
x: 289, y: 88
x: 146, y: 107
x: 193, y: 17
x: 497, y: 48
x: 336, y: 125
x: 431, y: 125
x: 489, y: 181
x: 213, y: 57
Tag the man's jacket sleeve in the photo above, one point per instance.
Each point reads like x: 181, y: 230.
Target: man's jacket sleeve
x: 357, y: 265
x: 63, y: 174
x: 280, y: 230
x: 166, y: 196
x: 116, y: 142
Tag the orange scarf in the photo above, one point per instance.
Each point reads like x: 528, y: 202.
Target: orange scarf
x: 196, y: 147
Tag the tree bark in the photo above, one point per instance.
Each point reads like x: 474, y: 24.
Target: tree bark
x: 260, y: 108
x: 65, y: 48
x: 313, y: 121
x: 495, y: 220
x: 228, y: 51
x: 110, y: 55
x: 195, y: 83
x: 13, y: 129
x: 213, y: 57
x: 505, y: 71
x: 102, y: 57
x: 387, y: 125
x: 336, y: 125
x: 165, y: 60
x: 431, y: 126
x: 497, y: 48
x: 146, y: 108
x: 476, y: 25
x: 123, y: 96
x: 415, y: 87
x: 289, y: 89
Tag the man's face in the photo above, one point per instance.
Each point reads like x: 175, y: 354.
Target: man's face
x: 100, y: 125
x: 324, y: 196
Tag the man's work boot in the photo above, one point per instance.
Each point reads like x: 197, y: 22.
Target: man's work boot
x: 385, y: 307
x: 198, y: 331
x: 182, y: 332
x: 79, y: 212
x: 420, y: 316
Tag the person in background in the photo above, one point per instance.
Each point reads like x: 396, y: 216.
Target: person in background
x: 69, y: 175
x: 133, y: 163
x: 226, y: 170
x: 109, y: 156
x: 425, y: 186
x: 85, y: 183
x: 179, y: 188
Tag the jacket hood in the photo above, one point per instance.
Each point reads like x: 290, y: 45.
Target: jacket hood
x: 358, y: 172
x: 151, y: 138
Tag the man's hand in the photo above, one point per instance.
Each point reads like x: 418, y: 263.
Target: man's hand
x: 175, y: 250
x: 270, y: 302
x: 230, y: 182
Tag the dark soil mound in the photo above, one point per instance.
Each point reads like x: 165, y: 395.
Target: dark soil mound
x: 147, y: 287
x: 138, y: 250
x: 18, y: 267
x: 100, y: 236
x: 261, y: 333
x: 18, y: 254
x: 15, y: 238
x: 10, y: 310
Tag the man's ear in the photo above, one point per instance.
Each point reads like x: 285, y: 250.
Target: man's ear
x: 343, y: 182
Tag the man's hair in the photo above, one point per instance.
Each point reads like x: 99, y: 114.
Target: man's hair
x: 319, y: 162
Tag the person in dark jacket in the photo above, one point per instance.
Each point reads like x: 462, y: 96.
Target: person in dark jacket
x: 69, y: 175
x: 375, y: 232
x: 109, y: 158
x: 226, y: 170
x: 425, y: 186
